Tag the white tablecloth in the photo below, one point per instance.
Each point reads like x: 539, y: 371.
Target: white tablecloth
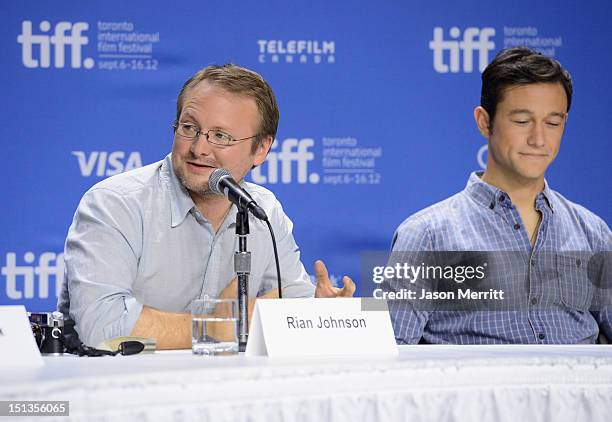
x: 425, y: 383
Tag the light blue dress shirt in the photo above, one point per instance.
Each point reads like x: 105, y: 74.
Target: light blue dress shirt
x: 138, y: 239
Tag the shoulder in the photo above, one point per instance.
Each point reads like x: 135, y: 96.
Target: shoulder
x: 422, y: 229
x: 261, y: 195
x: 265, y: 199
x: 271, y: 205
x: 130, y: 182
x: 575, y: 210
x: 576, y: 215
x: 446, y: 225
x: 123, y: 197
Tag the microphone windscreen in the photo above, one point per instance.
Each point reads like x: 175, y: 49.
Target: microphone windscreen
x: 215, y: 178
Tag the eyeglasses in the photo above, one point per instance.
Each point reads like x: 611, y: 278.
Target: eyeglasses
x: 213, y: 136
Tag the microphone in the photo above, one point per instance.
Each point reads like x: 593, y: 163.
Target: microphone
x: 221, y: 181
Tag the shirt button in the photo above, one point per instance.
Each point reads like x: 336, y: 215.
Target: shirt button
x: 534, y: 300
x: 532, y: 262
x: 517, y: 226
x: 541, y: 336
x: 578, y: 262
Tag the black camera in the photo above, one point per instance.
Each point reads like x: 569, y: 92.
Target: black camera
x: 48, y: 330
x: 54, y: 336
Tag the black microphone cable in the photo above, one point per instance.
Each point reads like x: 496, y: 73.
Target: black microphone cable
x: 278, y: 274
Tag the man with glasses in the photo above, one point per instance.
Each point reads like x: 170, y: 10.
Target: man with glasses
x: 144, y: 244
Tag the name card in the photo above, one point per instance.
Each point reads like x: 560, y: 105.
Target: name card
x: 18, y: 348
x: 319, y: 327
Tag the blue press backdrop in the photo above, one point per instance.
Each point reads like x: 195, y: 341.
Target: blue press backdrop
x: 376, y: 103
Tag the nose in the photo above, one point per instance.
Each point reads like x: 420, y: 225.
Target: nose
x: 200, y: 145
x: 537, y: 137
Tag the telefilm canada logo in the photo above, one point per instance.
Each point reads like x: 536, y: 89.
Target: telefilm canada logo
x: 296, y: 51
x: 457, y: 52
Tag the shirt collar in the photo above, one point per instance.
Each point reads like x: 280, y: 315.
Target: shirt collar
x: 547, y: 193
x: 490, y: 196
x: 180, y: 201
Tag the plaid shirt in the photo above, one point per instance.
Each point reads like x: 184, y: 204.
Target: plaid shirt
x: 483, y: 218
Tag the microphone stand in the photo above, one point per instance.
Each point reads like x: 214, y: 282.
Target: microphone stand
x: 242, y: 266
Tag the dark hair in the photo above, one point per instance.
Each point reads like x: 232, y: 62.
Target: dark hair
x: 520, y: 66
x: 241, y: 81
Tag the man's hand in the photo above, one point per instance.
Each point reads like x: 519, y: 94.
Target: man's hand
x: 324, y: 286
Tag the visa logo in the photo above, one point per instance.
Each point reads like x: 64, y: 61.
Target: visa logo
x: 107, y: 163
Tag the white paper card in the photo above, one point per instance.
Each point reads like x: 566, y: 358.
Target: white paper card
x: 319, y: 327
x: 18, y: 348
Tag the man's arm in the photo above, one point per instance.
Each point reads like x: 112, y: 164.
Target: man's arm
x: 411, y: 238
x: 101, y: 260
x: 604, y: 320
x: 173, y: 330
x: 603, y: 272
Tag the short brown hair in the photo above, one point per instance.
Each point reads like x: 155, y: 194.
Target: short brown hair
x: 241, y: 81
x: 520, y: 66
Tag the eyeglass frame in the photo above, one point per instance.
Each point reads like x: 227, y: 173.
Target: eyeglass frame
x: 199, y: 132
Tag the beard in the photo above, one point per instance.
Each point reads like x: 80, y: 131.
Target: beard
x: 201, y: 189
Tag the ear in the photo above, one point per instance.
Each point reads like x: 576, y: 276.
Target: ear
x: 262, y: 151
x: 482, y: 121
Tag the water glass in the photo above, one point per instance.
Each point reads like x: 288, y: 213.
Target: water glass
x: 214, y: 327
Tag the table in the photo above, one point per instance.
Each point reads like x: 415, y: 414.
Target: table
x: 425, y: 383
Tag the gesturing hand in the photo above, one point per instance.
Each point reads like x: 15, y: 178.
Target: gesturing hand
x: 324, y: 285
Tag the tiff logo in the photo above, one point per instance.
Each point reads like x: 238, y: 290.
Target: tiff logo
x: 292, y: 150
x: 474, y: 39
x: 49, y: 264
x: 107, y: 163
x: 59, y: 40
